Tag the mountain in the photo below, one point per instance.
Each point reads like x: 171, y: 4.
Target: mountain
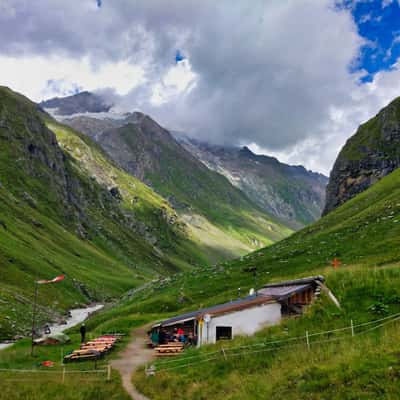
x: 372, y: 153
x: 291, y: 193
x: 66, y: 208
x: 219, y: 215
x: 82, y: 102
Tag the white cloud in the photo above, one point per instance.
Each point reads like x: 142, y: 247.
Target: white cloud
x: 178, y: 80
x: 274, y: 74
x: 29, y: 75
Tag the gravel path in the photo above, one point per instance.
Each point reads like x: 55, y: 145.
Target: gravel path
x: 135, y: 355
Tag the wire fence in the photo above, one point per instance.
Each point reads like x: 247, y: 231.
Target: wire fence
x: 307, y: 339
x: 60, y: 375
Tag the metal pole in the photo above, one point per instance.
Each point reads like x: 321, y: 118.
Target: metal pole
x: 34, y: 316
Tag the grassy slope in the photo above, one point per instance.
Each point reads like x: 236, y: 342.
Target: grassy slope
x: 178, y: 175
x: 369, y: 136
x: 365, y: 234
x: 45, y: 196
x: 143, y: 203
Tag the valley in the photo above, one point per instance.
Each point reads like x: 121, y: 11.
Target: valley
x: 199, y: 200
x: 127, y: 235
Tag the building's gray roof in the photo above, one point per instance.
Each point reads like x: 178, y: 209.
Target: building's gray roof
x: 280, y: 292
x: 301, y: 281
x: 236, y: 305
x: 269, y: 293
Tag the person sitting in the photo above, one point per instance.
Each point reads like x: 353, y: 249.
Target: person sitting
x: 182, y: 339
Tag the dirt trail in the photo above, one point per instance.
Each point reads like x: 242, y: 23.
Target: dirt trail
x: 135, y: 355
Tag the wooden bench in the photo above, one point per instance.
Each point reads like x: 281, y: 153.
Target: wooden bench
x: 171, y: 344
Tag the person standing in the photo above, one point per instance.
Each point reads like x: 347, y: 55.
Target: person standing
x: 155, y: 337
x: 82, y: 330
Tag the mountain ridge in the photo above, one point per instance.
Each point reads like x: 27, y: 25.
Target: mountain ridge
x: 291, y: 193
x: 148, y: 151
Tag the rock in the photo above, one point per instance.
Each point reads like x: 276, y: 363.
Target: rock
x: 29, y: 199
x: 372, y: 153
x: 78, y: 103
x: 114, y: 191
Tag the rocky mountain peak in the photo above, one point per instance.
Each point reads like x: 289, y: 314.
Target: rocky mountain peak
x: 370, y: 154
x: 82, y: 102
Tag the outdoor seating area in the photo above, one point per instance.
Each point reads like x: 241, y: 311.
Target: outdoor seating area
x: 93, y: 349
x: 170, y: 342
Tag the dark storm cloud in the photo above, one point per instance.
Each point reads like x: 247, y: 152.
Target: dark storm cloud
x: 268, y: 72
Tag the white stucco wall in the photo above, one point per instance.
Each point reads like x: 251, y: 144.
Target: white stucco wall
x: 244, y: 322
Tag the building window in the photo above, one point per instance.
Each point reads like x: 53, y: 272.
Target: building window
x: 223, y: 333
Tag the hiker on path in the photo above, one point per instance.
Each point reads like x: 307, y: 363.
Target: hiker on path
x: 82, y: 330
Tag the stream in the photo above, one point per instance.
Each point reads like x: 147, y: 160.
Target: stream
x: 78, y: 315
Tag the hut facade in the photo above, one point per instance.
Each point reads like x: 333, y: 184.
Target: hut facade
x: 245, y: 316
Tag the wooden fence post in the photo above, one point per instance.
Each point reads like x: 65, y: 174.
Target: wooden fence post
x: 108, y: 372
x: 352, y: 328
x: 63, y: 375
x: 223, y: 352
x: 307, y: 340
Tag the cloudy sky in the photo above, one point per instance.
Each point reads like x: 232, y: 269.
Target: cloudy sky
x: 290, y: 78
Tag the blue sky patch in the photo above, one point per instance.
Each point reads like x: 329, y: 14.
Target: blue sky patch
x: 378, y: 21
x: 179, y: 56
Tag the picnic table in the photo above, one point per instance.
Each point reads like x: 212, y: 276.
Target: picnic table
x: 169, y: 349
x: 92, y: 350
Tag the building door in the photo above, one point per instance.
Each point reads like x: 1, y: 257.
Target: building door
x: 223, y: 333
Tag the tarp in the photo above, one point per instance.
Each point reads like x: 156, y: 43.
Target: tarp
x: 60, y: 337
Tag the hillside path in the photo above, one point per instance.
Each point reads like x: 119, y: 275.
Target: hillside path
x: 135, y: 355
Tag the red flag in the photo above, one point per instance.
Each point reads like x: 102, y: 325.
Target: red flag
x: 56, y: 279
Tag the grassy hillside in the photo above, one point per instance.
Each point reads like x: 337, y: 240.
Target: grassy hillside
x: 154, y: 217
x: 59, y: 216
x: 365, y: 234
x: 206, y: 200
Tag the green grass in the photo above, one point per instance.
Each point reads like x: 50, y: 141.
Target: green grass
x: 38, y: 386
x: 365, y: 234
x: 46, y: 383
